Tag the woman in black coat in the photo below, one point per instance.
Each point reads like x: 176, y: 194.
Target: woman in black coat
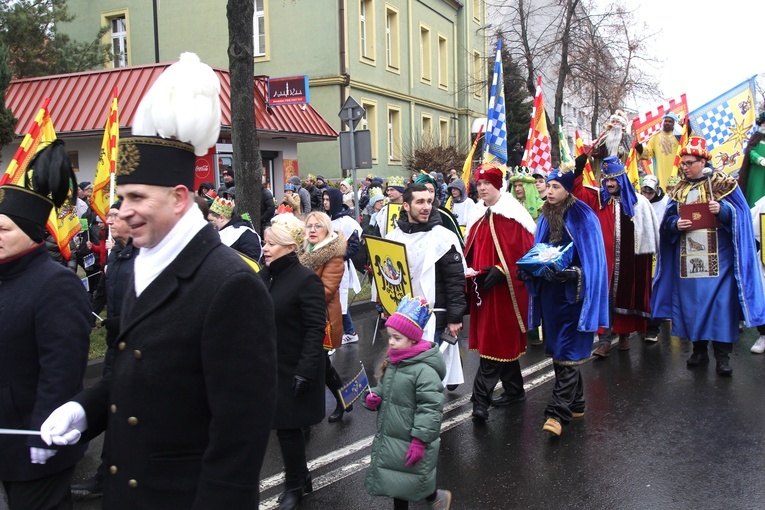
x: 298, y: 297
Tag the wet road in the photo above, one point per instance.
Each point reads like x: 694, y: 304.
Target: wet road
x: 656, y: 435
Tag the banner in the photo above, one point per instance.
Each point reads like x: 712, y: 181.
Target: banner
x: 467, y: 166
x: 537, y: 154
x: 103, y: 184
x: 565, y: 151
x: 391, y: 222
x: 496, y: 129
x: 650, y: 123
x: 390, y: 270
x: 354, y: 388
x: 588, y: 176
x: 727, y: 122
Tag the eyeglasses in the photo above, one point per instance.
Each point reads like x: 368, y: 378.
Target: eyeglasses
x: 689, y: 163
x: 314, y: 227
x: 112, y: 216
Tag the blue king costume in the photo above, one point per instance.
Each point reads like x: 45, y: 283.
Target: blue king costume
x: 571, y: 308
x: 708, y: 279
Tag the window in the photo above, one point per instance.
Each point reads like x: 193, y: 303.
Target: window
x: 424, y: 53
x: 392, y: 39
x: 394, y: 134
x: 259, y: 26
x: 478, y: 80
x: 477, y: 11
x: 443, y: 132
x: 370, y: 122
x: 74, y: 158
x: 119, y: 41
x: 427, y: 130
x: 443, y: 63
x: 367, y: 29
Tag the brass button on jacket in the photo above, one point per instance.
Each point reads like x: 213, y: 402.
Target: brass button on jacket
x: 133, y: 421
x: 121, y: 346
x: 133, y: 483
x: 113, y: 470
x: 138, y: 354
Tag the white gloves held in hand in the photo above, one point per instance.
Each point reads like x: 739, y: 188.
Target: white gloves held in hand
x: 64, y: 425
x: 40, y: 455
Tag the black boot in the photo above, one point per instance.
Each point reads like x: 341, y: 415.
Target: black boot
x: 699, y: 355
x: 334, y: 383
x: 307, y: 487
x: 291, y: 499
x: 722, y: 355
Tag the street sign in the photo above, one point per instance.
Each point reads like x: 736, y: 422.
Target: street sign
x: 351, y: 113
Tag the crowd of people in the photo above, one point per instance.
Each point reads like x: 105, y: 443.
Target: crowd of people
x: 188, y: 406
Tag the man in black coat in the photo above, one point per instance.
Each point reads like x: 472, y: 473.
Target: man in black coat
x: 188, y: 404
x: 44, y: 340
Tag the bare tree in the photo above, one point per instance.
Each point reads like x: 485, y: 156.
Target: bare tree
x: 244, y: 135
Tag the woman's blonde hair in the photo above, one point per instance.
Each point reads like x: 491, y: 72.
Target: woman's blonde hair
x: 286, y: 230
x: 319, y: 218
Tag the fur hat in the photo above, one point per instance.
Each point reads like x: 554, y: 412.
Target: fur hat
x: 696, y: 146
x: 411, y: 317
x: 223, y: 207
x: 491, y: 173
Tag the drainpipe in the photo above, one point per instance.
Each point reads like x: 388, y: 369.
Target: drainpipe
x: 156, y: 32
x: 343, y: 70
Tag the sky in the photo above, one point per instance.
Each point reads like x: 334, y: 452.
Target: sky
x: 707, y: 46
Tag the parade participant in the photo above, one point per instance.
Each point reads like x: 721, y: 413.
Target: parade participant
x: 292, y: 200
x: 233, y: 230
x: 346, y: 187
x: 707, y: 276
x: 751, y: 176
x: 369, y: 218
x: 500, y: 231
x: 757, y: 211
x: 437, y: 271
x: 445, y: 216
x: 395, y: 194
x: 572, y: 303
x: 189, y: 404
x: 45, y: 336
x: 409, y: 400
x: 662, y: 148
x: 523, y: 186
x: 300, y: 311
x: 323, y: 252
x: 540, y: 182
x: 343, y: 222
x: 613, y: 141
x: 631, y: 236
x: 651, y: 190
x: 461, y: 203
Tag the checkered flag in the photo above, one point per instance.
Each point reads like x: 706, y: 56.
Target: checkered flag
x: 714, y: 125
x: 538, y: 150
x: 496, y: 128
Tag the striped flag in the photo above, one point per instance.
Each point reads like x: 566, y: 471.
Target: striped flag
x: 588, y: 176
x: 496, y: 129
x: 40, y: 132
x: 631, y: 166
x: 467, y: 167
x: 537, y: 154
x: 565, y: 151
x: 103, y: 184
x: 673, y: 178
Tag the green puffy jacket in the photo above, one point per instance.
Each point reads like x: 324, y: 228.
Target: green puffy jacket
x: 412, y: 403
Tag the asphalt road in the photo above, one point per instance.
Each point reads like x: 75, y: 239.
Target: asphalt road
x: 656, y: 435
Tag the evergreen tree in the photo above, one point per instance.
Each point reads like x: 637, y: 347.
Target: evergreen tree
x: 7, y: 120
x: 518, y: 103
x: 28, y: 31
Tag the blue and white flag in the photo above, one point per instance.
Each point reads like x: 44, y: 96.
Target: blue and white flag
x: 726, y: 123
x: 496, y: 129
x: 354, y: 388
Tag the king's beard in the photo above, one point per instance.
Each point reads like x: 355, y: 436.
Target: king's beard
x: 554, y: 214
x: 613, y: 140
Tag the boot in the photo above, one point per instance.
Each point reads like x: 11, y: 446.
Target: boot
x: 624, y: 343
x: 699, y: 355
x: 334, y: 383
x: 722, y: 355
x: 291, y: 499
x: 307, y: 487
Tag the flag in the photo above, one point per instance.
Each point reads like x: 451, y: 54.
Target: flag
x: 62, y: 223
x: 40, y: 132
x: 467, y: 167
x: 650, y: 123
x: 631, y: 166
x: 103, y: 184
x: 683, y: 140
x: 537, y: 154
x: 354, y: 388
x: 496, y: 129
x: 726, y: 123
x: 565, y: 151
x: 588, y: 176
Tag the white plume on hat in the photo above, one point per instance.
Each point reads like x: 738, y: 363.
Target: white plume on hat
x: 183, y: 103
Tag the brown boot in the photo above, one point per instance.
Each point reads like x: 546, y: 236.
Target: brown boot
x: 553, y: 427
x: 624, y: 343
x: 602, y: 350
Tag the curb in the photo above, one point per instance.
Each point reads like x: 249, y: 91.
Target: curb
x: 95, y: 367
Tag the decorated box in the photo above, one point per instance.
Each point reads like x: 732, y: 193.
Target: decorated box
x: 545, y: 255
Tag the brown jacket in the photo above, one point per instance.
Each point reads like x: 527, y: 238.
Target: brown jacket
x: 326, y: 260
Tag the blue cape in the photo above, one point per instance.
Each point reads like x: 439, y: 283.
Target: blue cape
x: 584, y: 226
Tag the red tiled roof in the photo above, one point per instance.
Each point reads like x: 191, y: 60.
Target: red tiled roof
x: 80, y: 103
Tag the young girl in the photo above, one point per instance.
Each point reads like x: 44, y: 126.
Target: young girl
x: 410, y: 401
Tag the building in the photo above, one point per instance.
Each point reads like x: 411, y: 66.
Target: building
x: 418, y: 67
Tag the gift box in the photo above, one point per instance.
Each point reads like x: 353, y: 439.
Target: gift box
x: 543, y: 255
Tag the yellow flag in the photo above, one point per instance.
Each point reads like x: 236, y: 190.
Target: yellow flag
x: 103, y: 188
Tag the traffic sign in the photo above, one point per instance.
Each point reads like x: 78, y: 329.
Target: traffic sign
x: 351, y: 112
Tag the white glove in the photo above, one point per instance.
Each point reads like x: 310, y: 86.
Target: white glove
x: 761, y: 161
x: 64, y: 425
x: 40, y: 455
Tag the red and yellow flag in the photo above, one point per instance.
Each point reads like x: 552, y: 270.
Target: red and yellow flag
x: 103, y: 187
x: 588, y: 176
x: 631, y: 166
x: 467, y: 167
x: 63, y: 223
x: 683, y: 140
x: 40, y: 132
